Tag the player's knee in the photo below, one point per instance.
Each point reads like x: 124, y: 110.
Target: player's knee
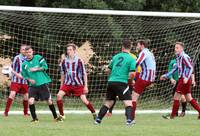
x: 25, y: 96
x: 12, y: 95
x: 128, y: 103
x: 31, y: 101
x: 49, y: 102
x: 84, y: 99
x: 59, y: 96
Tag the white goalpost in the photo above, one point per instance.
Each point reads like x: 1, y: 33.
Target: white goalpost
x: 98, y: 34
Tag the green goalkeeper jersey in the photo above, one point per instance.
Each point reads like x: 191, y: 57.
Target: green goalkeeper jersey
x: 172, y: 64
x: 40, y: 77
x: 120, y: 66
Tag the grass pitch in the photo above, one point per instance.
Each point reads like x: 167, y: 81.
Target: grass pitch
x: 82, y: 125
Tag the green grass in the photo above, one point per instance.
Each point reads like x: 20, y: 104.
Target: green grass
x: 82, y: 125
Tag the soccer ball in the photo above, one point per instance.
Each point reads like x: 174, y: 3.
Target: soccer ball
x: 7, y: 70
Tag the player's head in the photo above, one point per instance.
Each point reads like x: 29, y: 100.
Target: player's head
x: 29, y: 52
x: 22, y: 49
x: 126, y: 44
x: 179, y: 47
x: 71, y: 49
x: 141, y: 44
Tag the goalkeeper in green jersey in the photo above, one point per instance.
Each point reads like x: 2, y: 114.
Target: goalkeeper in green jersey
x: 122, y: 67
x: 174, y: 80
x: 34, y: 71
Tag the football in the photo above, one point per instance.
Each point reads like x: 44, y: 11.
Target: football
x: 7, y: 70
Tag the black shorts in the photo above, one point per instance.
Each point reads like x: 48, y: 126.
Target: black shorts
x: 118, y: 89
x: 39, y: 92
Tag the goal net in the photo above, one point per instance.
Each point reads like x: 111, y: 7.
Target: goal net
x: 98, y: 36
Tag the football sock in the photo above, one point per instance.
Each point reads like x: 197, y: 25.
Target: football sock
x: 8, y: 105
x: 32, y: 110
x: 128, y: 113
x: 25, y: 104
x: 53, y: 110
x: 184, y: 104
x: 102, y: 112
x: 60, y: 107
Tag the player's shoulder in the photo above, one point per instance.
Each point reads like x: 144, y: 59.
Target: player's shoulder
x: 185, y: 55
x: 17, y: 56
x: 38, y: 56
x: 172, y: 61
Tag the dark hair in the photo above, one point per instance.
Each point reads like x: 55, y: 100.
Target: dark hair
x: 71, y: 45
x: 126, y: 43
x: 28, y: 47
x: 181, y: 44
x: 143, y: 42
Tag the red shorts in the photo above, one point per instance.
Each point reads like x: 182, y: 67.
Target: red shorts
x: 183, y: 88
x: 137, y: 75
x: 19, y: 88
x: 75, y: 90
x: 140, y: 85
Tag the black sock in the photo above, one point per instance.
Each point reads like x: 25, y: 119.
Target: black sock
x: 102, y: 112
x: 111, y: 108
x: 32, y: 110
x: 184, y: 104
x: 53, y: 110
x: 128, y: 113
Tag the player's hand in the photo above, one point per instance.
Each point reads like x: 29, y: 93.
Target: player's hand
x: 85, y: 89
x: 33, y: 69
x: 131, y: 82
x: 173, y: 81
x: 31, y: 81
x: 185, y: 81
x: 193, y: 83
x: 163, y: 77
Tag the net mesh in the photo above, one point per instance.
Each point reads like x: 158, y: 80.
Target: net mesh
x: 98, y: 38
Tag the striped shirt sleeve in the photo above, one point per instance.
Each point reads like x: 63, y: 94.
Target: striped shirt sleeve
x: 170, y: 73
x: 140, y: 59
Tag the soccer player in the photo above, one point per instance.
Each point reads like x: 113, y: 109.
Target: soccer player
x: 174, y: 80
x: 147, y: 63
x: 18, y: 84
x: 122, y: 68
x: 34, y: 71
x: 131, y: 86
x: 185, y: 69
x: 73, y: 80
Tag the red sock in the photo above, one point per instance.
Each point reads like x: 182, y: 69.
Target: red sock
x: 90, y: 107
x: 134, y: 109
x: 175, y: 108
x: 195, y: 105
x: 25, y: 104
x: 8, y: 105
x: 60, y: 107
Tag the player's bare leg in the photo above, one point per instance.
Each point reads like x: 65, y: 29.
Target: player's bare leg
x: 89, y: 105
x: 9, y: 102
